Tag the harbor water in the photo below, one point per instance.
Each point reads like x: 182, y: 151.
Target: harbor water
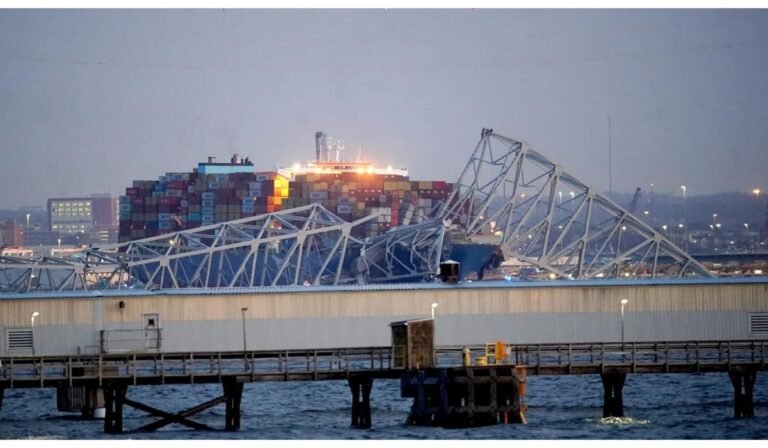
x: 656, y: 406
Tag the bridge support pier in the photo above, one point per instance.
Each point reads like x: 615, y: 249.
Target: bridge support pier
x: 114, y: 398
x: 743, y: 381
x: 613, y: 401
x: 361, y: 400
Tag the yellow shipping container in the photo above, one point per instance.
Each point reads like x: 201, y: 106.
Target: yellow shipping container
x: 425, y: 185
x: 281, y: 182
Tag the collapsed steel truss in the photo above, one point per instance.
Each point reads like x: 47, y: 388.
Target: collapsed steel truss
x: 545, y: 216
x: 404, y: 253
x: 304, y: 245
x: 508, y: 193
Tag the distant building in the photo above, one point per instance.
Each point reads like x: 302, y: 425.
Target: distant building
x: 39, y: 237
x: 79, y: 220
x: 13, y: 234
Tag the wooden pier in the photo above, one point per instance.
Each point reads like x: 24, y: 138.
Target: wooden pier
x: 111, y: 376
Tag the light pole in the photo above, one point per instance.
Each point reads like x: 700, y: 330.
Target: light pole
x: 433, y: 306
x: 245, y: 342
x: 685, y: 215
x: 623, y: 302
x: 756, y: 192
x: 746, y: 234
x: 32, y: 320
x: 26, y: 232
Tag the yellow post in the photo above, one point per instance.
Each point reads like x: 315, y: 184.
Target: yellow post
x: 500, y: 352
x: 466, y: 357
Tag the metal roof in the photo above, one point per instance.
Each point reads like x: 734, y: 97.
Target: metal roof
x: 490, y: 284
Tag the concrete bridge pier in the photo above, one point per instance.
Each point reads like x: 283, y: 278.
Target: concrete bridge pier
x: 613, y: 401
x: 743, y: 381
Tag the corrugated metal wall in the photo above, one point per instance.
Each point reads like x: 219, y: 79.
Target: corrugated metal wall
x: 358, y: 317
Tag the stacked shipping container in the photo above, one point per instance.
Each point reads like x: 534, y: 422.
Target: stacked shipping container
x: 179, y: 201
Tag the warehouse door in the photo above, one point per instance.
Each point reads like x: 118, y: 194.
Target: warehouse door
x: 152, y: 331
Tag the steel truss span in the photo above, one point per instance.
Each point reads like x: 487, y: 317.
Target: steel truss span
x: 302, y: 246
x: 545, y: 216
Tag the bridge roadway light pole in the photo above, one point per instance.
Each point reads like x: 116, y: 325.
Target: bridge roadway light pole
x: 433, y: 306
x: 623, y: 302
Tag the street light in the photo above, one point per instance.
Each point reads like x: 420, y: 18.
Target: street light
x: 433, y: 306
x: 623, y: 302
x: 32, y: 320
x: 26, y: 238
x: 685, y: 215
x: 245, y: 344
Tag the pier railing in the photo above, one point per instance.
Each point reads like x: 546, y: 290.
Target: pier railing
x: 329, y: 364
x: 186, y: 368
x: 629, y: 357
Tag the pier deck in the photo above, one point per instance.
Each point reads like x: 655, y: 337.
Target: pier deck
x: 112, y: 374
x: 337, y: 364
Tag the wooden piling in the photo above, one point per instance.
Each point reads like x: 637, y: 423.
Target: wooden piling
x: 743, y: 381
x: 613, y: 401
x: 233, y: 393
x: 114, y: 398
x: 361, y: 400
x: 466, y: 396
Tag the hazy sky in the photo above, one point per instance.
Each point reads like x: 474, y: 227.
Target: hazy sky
x: 93, y: 99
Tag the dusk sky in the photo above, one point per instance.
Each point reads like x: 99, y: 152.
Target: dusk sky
x: 92, y: 99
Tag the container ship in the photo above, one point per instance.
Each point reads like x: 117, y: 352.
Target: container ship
x: 216, y: 192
